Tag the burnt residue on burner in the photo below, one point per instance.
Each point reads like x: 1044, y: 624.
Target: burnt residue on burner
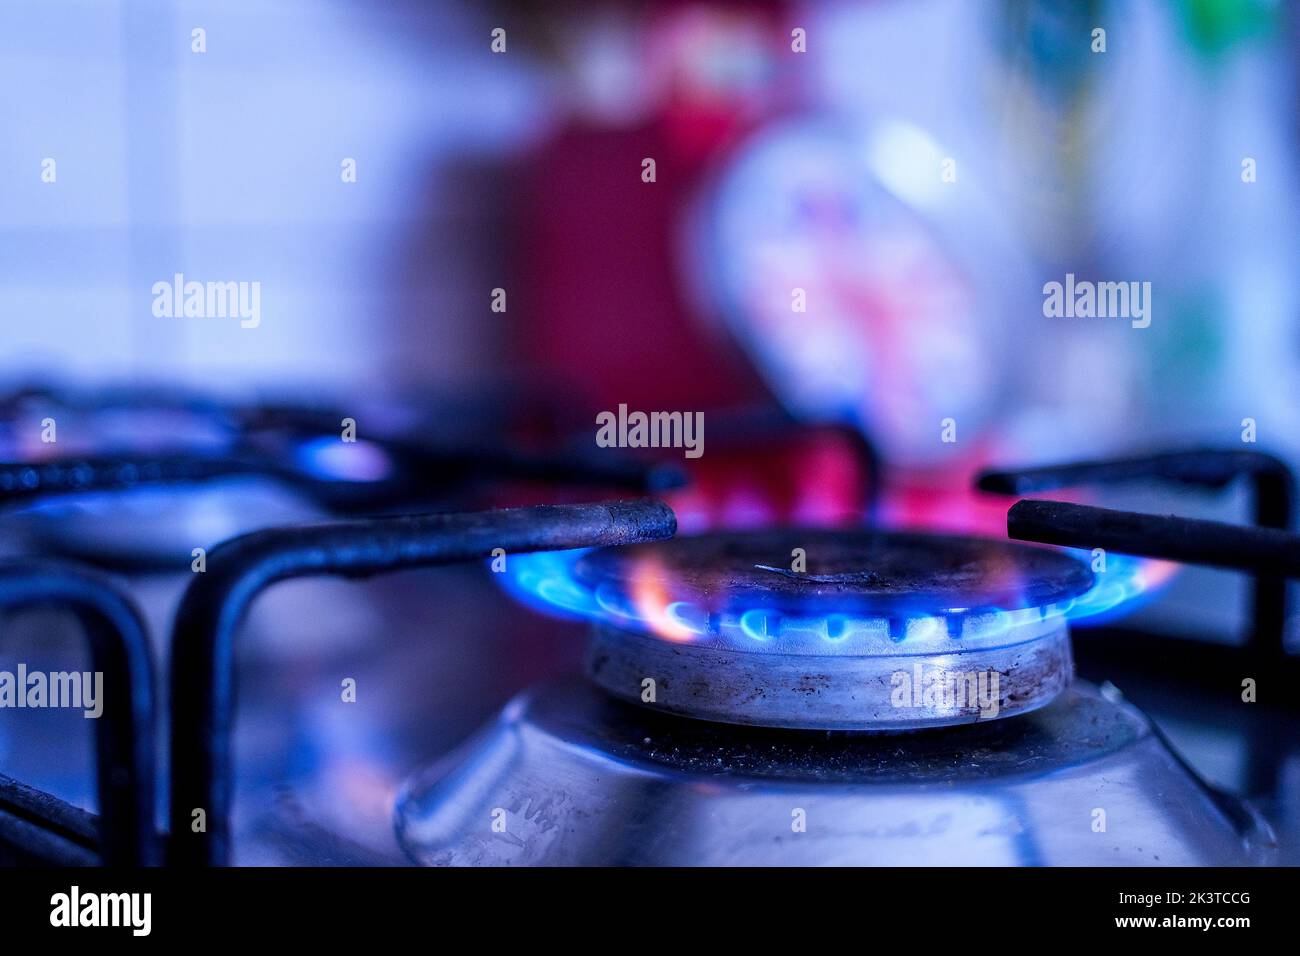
x: 1077, y: 727
x: 865, y: 577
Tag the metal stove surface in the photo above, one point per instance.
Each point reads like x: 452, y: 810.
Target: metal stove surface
x: 567, y: 776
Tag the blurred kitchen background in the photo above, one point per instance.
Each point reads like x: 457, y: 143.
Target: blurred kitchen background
x: 521, y: 170
x: 776, y: 170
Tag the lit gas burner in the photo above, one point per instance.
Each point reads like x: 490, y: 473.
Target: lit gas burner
x: 832, y: 630
x: 808, y: 638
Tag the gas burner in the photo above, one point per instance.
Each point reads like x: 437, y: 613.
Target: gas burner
x: 139, y: 477
x: 832, y: 630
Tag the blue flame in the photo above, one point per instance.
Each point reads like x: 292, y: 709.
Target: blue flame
x: 546, y: 581
x: 1126, y: 584
x: 333, y: 460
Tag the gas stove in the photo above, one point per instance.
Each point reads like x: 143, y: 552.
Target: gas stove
x: 791, y: 694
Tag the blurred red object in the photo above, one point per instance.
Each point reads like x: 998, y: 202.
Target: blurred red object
x: 600, y: 300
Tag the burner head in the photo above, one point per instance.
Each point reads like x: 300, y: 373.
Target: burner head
x: 833, y: 629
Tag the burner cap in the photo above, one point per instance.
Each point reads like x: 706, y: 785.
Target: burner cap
x: 843, y: 571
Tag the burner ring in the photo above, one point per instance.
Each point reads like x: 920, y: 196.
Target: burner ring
x: 842, y: 692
